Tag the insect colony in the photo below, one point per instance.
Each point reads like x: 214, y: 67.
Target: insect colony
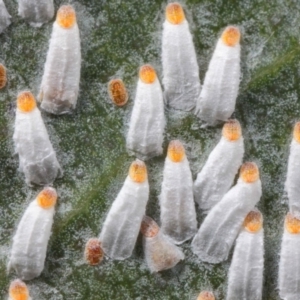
x: 231, y: 213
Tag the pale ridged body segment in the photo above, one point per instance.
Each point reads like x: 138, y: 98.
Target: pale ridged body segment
x: 30, y: 241
x: 247, y: 266
x: 160, y: 253
x: 180, y: 67
x: 220, y: 228
x: 18, y: 291
x: 177, y: 207
x: 60, y: 83
x: 36, y: 12
x: 4, y: 17
x: 146, y: 128
x: 218, y: 173
x: 221, y: 84
x: 122, y: 224
x: 292, y: 183
x: 37, y: 158
x: 289, y: 264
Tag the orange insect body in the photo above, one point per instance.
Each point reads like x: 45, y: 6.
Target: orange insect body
x: 117, y: 92
x: 205, y: 295
x: 18, y: 290
x: 147, y: 74
x: 47, y: 198
x: 26, y: 102
x: 296, y: 132
x: 232, y: 130
x: 66, y: 16
x: 93, y: 252
x: 253, y: 221
x: 149, y: 227
x: 3, y: 78
x: 249, y: 172
x: 231, y: 36
x: 174, y: 13
x: 138, y: 171
x: 176, y: 151
x: 292, y: 224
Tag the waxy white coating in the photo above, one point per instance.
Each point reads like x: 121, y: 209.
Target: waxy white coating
x: 177, y: 207
x: 122, y: 224
x: 221, y: 84
x: 147, y: 122
x: 30, y: 241
x: 36, y: 12
x: 245, y: 279
x: 4, y: 17
x: 220, y: 228
x: 217, y: 175
x: 60, y: 83
x: 37, y: 158
x: 180, y: 67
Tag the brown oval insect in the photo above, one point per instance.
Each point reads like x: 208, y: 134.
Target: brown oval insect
x: 205, y: 295
x: 117, y: 92
x: 93, y: 252
x: 3, y: 78
x: 18, y: 290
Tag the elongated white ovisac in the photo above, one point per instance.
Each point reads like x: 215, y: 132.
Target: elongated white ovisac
x: 30, y: 241
x: 160, y: 253
x: 4, y: 17
x: 147, y: 122
x: 217, y: 175
x: 36, y: 155
x: 221, y: 226
x: 177, y: 207
x: 60, y: 83
x: 36, y: 12
x: 292, y: 183
x: 180, y: 68
x: 221, y: 84
x: 122, y: 224
x: 289, y: 264
x: 247, y: 266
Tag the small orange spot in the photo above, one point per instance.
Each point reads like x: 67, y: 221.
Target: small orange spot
x: 18, y: 290
x: 117, y: 92
x: 66, y: 16
x: 253, y: 221
x: 292, y: 224
x: 231, y: 36
x: 147, y: 74
x: 93, y: 252
x: 2, y: 76
x: 26, y: 101
x: 205, y: 295
x: 149, y: 227
x: 174, y: 13
x: 176, y: 152
x: 138, y: 171
x: 232, y: 130
x: 47, y: 197
x: 249, y: 172
x: 297, y: 132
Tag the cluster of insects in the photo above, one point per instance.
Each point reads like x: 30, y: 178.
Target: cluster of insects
x: 231, y: 213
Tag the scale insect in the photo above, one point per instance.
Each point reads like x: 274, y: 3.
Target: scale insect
x: 93, y: 252
x: 217, y: 175
x: 160, y: 253
x: 30, y: 241
x: 36, y: 155
x: 18, y: 290
x: 247, y: 266
x: 206, y: 295
x: 177, y: 207
x: 3, y: 78
x: 117, y: 92
x: 147, y: 123
x: 221, y: 84
x: 122, y: 224
x: 4, y: 17
x: 221, y: 226
x: 60, y: 83
x: 180, y: 67
x: 36, y: 12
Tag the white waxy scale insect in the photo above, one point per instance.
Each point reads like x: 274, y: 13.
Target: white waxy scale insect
x: 36, y: 155
x: 177, y: 207
x: 18, y: 291
x: 60, y: 83
x: 122, y: 224
x: 4, y: 17
x: 292, y: 184
x: 180, y: 68
x: 220, y: 228
x: 217, y: 175
x: 221, y: 84
x: 30, y: 242
x: 147, y: 123
x: 247, y: 266
x: 289, y: 265
x: 36, y: 12
x: 160, y: 253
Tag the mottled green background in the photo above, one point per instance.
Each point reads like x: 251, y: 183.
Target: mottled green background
x: 118, y: 37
